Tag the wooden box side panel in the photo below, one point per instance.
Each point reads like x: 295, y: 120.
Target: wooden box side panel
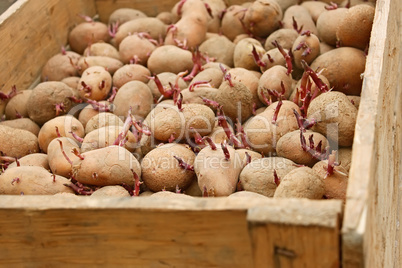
x: 370, y: 229
x: 124, y: 237
x: 32, y: 31
x: 151, y: 8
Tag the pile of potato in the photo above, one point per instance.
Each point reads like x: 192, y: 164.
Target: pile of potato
x: 205, y: 100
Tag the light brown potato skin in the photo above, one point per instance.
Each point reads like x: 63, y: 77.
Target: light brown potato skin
x: 315, y: 8
x: 36, y: 159
x: 242, y: 56
x: 162, y: 171
x: 112, y: 165
x: 99, y: 80
x: 32, y: 181
x: 65, y: 124
x: 355, y: 100
x: 355, y: 28
x: 108, y: 63
x: 289, y: 146
x: 87, y: 111
x: 231, y: 25
x: 135, y: 46
x: 122, y: 15
x: 18, y: 104
x: 41, y: 105
x: 249, y: 79
x: 86, y: 33
x: 130, y: 72
x: 263, y: 17
x: 153, y: 26
x: 345, y: 157
x: 302, y: 17
x: 258, y: 176
x: 241, y: 153
x: 102, y: 49
x: 72, y: 82
x: 313, y: 44
x: 112, y: 190
x: 198, y: 92
x: 328, y: 23
x: 220, y: 48
x: 335, y: 185
x: 336, y: 117
x: 134, y: 94
x: 284, y: 37
x: 193, y: 189
x: 106, y: 136
x: 161, y: 60
x: 166, y: 17
x: 218, y: 134
x: 103, y: 120
x: 218, y: 175
x: 167, y: 120
x: 300, y: 182
x: 343, y: 67
x: 22, y: 123
x: 60, y: 66
x: 271, y: 79
x: 210, y: 75
x: 57, y: 162
x: 17, y: 142
x: 166, y: 78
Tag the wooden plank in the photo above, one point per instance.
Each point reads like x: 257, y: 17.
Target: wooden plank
x: 33, y: 31
x: 106, y: 7
x: 370, y: 229
x: 305, y: 233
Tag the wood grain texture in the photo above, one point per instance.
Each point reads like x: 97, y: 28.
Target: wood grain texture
x: 292, y: 236
x: 33, y: 31
x: 371, y: 235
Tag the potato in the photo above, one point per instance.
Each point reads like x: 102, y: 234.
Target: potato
x: 95, y: 83
x: 345, y: 157
x: 192, y: 27
x: 302, y: 17
x: 48, y: 100
x: 103, y: 119
x: 112, y: 190
x: 36, y: 159
x: 271, y: 79
x: 166, y: 78
x: 31, y: 180
x: 87, y: 111
x: 58, y: 164
x: 122, y: 15
x: 243, y: 156
x: 324, y: 47
x: 218, y: 134
x: 290, y: 147
x: 210, y: 75
x: 111, y: 165
x: 105, y: 137
x: 258, y: 175
x: 134, y: 94
x: 263, y: 17
x: 166, y: 17
x: 217, y: 175
x: 161, y: 171
x: 300, y: 182
x: 87, y: 33
x: 335, y: 116
x: 355, y: 100
x: 60, y: 66
x: 22, y: 123
x: 335, y: 184
x: 355, y: 28
x: 242, y: 54
x: 102, y: 49
x: 315, y: 8
x: 249, y: 79
x: 153, y: 26
x: 263, y: 135
x: 16, y: 106
x: 161, y: 60
x: 136, y: 49
x: 231, y: 25
x: 342, y: 67
x: 328, y: 23
x: 166, y: 120
x: 72, y: 82
x: 130, y: 72
x: 17, y: 142
x: 109, y: 64
x: 284, y: 37
x: 246, y: 195
x: 275, y: 58
x: 65, y: 125
x: 307, y: 48
x: 193, y: 189
x: 198, y: 92
x: 220, y: 48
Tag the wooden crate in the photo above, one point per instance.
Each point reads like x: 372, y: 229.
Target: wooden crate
x: 41, y: 231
